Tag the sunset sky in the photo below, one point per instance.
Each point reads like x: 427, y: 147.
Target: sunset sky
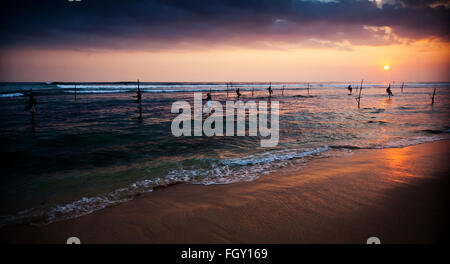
x: 218, y: 40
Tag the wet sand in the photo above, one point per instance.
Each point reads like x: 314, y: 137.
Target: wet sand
x: 398, y: 195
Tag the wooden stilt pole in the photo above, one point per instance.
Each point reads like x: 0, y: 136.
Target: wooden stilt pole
x: 358, y: 99
x: 432, y: 97
x: 140, y: 100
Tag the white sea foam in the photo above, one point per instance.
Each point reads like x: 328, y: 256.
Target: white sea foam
x: 92, y: 91
x: 246, y: 168
x: 83, y: 206
x: 96, y: 91
x: 405, y: 142
x: 271, y: 156
x: 220, y: 171
x: 11, y: 95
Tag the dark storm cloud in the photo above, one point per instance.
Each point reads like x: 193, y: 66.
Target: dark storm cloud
x: 157, y: 24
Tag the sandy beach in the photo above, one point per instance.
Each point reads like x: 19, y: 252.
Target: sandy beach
x: 396, y: 194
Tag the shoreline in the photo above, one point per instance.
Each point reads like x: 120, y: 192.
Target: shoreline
x: 396, y: 194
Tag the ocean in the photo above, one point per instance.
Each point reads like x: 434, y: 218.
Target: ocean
x: 80, y: 156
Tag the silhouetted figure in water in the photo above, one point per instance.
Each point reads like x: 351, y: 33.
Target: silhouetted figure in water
x: 238, y: 93
x: 350, y: 89
x: 32, y: 107
x: 31, y: 103
x: 139, y: 100
x: 138, y: 96
x: 389, y: 92
x: 270, y: 90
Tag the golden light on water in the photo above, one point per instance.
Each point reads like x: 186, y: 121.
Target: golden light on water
x: 386, y: 67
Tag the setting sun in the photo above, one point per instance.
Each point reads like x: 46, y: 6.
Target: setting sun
x: 386, y: 67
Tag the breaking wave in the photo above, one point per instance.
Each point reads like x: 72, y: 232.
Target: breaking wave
x: 216, y: 171
x: 11, y: 94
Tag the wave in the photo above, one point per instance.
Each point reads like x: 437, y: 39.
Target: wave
x: 11, y: 95
x: 381, y: 122
x: 434, y: 131
x: 405, y: 142
x: 345, y: 147
x: 272, y: 156
x: 244, y: 169
x: 377, y: 111
x: 400, y: 143
x: 405, y: 108
x: 154, y: 91
x: 217, y: 171
x: 170, y: 86
x: 223, y: 86
x: 83, y: 206
x: 92, y: 88
x: 205, y: 172
x: 97, y: 91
